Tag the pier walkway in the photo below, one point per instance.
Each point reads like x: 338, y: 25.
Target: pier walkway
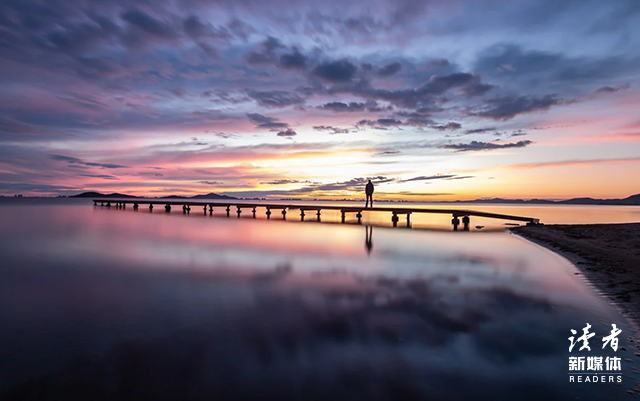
x: 283, y: 208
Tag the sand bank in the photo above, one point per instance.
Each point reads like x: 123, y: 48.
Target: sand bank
x: 607, y: 254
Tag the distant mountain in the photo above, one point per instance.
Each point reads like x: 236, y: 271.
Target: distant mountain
x: 99, y: 195
x: 212, y: 196
x: 631, y: 200
x: 517, y: 201
x: 117, y: 195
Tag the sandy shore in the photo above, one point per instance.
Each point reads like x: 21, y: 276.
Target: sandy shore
x: 607, y: 254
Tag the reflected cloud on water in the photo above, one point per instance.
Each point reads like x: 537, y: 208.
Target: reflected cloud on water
x: 173, y: 308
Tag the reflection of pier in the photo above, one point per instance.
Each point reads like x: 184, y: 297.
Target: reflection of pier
x: 368, y: 238
x: 344, y: 210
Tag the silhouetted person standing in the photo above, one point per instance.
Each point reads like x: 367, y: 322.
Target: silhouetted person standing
x: 369, y: 191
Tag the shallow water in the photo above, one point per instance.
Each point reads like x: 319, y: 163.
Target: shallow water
x: 115, y: 304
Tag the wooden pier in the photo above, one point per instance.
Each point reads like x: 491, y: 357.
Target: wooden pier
x: 458, y: 215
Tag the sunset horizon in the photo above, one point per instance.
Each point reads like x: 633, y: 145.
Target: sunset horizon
x: 427, y: 98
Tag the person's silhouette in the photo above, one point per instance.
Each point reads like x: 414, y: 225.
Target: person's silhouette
x: 369, y: 191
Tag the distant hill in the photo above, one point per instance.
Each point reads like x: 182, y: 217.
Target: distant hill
x: 99, y: 195
x: 631, y: 200
x: 516, y: 201
x: 212, y: 196
x: 117, y: 195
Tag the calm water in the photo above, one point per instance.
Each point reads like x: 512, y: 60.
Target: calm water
x: 100, y: 303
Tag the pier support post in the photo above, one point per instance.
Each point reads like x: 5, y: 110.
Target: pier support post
x: 108, y: 204
x: 284, y: 214
x: 394, y: 219
x: 409, y: 220
x: 254, y: 212
x: 301, y: 215
x: 205, y: 209
x: 184, y: 209
x: 210, y: 210
x: 343, y: 215
x: 239, y: 211
x: 95, y: 203
x: 318, y: 215
x: 456, y: 222
x: 167, y: 208
x: 268, y: 213
x: 465, y: 221
x: 151, y: 207
x: 101, y: 203
x: 124, y: 205
x: 359, y: 216
x: 135, y: 206
x: 228, y: 210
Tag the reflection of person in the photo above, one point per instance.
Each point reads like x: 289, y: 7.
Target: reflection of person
x: 368, y: 238
x: 369, y: 191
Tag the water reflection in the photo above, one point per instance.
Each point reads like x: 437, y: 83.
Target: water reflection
x: 108, y: 304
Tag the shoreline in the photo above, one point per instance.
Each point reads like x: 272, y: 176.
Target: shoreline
x: 607, y: 255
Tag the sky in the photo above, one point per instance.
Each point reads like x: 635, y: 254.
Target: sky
x: 431, y: 100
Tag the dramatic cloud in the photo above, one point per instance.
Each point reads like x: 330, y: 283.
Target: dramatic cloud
x: 610, y: 89
x: 352, y: 106
x: 261, y: 121
x: 429, y: 178
x: 476, y: 145
x: 507, y: 107
x: 445, y: 177
x: 266, y: 53
x: 355, y: 184
x: 533, y: 69
x: 480, y: 130
x: 381, y: 123
x: 388, y: 153
x: 293, y: 61
x: 284, y: 182
x: 427, y: 94
x: 76, y: 161
x: 225, y: 135
x: 103, y: 176
x: 128, y: 83
x: 450, y: 126
x: 335, y: 71
x: 275, y: 99
x: 331, y: 130
x: 389, y: 69
x: 288, y: 133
